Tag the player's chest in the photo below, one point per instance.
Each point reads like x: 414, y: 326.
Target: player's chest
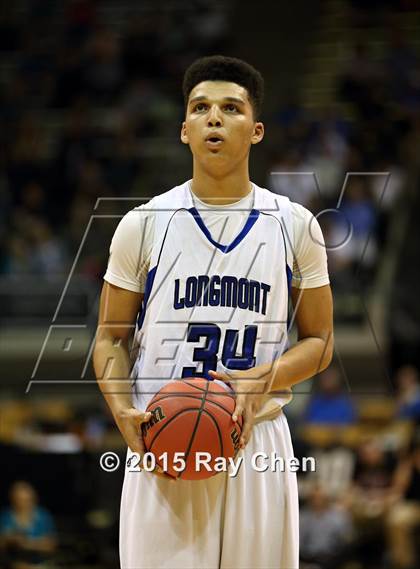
x: 194, y: 270
x: 188, y: 245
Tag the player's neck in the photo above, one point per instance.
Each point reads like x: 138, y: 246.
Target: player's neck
x: 217, y: 191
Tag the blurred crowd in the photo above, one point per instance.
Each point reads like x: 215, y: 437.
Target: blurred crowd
x: 361, y: 149
x: 362, y: 505
x: 90, y: 88
x: 91, y: 92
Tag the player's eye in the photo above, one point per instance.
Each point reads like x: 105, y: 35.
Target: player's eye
x: 200, y: 107
x: 231, y: 108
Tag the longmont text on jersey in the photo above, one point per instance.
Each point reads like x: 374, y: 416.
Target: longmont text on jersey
x: 228, y: 291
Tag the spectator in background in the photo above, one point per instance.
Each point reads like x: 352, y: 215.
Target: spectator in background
x: 329, y: 404
x: 69, y: 77
x: 404, y: 516
x: 32, y: 248
x: 290, y: 177
x: 328, y: 152
x: 359, y: 79
x: 325, y: 531
x: 141, y: 47
x: 27, y: 532
x: 103, y: 67
x: 408, y: 393
x: 26, y: 154
x: 36, y: 64
x: 358, y: 222
x: 386, y: 189
x: 372, y: 479
x: 371, y: 499
x: 122, y: 169
x: 402, y: 67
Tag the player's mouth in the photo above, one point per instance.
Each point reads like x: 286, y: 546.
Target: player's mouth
x: 213, y: 141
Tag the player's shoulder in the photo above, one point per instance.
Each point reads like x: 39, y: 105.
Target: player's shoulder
x: 306, y: 228
x: 300, y: 213
x: 162, y: 205
x: 178, y: 197
x: 275, y: 206
x: 270, y: 201
x: 298, y: 219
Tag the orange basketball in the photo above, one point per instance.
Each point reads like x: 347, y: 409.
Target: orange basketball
x: 191, y: 427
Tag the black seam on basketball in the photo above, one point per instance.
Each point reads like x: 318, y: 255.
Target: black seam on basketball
x: 191, y: 382
x: 220, y: 406
x: 192, y: 396
x: 218, y: 430
x: 175, y: 394
x: 169, y: 422
x: 196, y: 424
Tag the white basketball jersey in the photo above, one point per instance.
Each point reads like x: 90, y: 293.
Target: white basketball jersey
x: 212, y: 306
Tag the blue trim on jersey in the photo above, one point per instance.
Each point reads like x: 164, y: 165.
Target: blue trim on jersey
x: 252, y: 218
x: 289, y: 275
x: 150, y: 279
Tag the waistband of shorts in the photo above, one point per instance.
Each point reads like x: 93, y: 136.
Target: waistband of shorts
x: 269, y: 411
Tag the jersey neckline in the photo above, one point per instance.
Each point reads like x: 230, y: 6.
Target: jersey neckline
x: 246, y: 202
x: 249, y: 224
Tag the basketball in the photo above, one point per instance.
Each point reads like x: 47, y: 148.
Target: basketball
x: 191, y: 432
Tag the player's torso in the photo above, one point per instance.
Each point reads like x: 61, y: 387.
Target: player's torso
x: 212, y: 306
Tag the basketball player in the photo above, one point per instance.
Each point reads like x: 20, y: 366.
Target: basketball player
x: 205, y: 271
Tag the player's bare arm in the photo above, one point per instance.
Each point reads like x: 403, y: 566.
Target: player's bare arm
x: 314, y: 350
x: 312, y: 353
x: 117, y: 313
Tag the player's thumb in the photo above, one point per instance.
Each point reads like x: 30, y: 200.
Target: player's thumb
x: 216, y: 375
x: 141, y: 417
x: 221, y: 377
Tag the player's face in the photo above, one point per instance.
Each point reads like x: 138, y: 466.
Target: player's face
x: 219, y: 126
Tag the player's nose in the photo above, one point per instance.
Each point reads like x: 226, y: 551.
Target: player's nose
x: 214, y: 118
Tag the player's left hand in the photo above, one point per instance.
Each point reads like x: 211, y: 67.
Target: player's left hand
x: 251, y: 387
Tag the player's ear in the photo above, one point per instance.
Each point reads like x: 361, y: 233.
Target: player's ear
x: 258, y: 134
x: 184, y: 136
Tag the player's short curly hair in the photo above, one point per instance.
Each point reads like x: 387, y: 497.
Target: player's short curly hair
x: 221, y: 68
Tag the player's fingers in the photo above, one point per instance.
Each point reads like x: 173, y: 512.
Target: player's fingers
x: 144, y: 417
x: 215, y: 374
x: 139, y: 417
x: 227, y: 380
x: 238, y: 411
x: 132, y: 435
x: 249, y: 417
x: 129, y: 424
x: 246, y: 432
x: 220, y: 376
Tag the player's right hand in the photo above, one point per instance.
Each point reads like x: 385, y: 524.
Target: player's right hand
x: 129, y: 422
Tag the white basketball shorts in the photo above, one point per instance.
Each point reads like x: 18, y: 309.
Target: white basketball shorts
x: 245, y: 522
